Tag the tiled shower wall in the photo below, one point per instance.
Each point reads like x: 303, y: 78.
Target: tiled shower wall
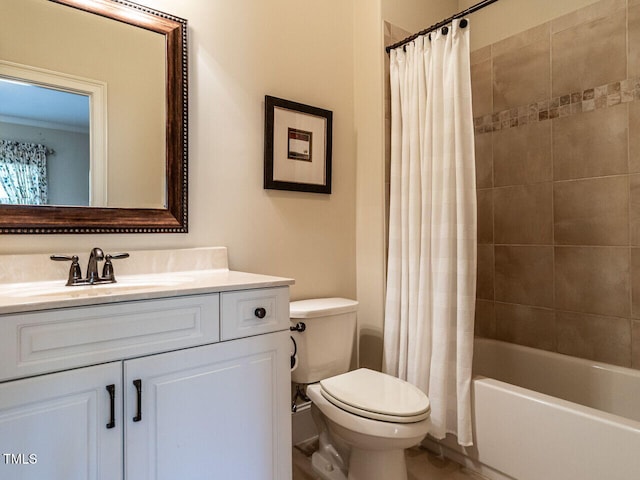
x: 557, y: 116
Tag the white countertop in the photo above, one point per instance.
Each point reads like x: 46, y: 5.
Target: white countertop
x: 27, y: 297
x: 164, y: 279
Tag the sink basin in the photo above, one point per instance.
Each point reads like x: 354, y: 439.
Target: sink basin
x: 58, y: 289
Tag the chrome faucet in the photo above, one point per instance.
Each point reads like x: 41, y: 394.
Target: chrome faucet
x: 93, y: 278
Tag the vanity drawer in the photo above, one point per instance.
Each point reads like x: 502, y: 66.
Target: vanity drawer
x: 253, y: 312
x: 42, y: 342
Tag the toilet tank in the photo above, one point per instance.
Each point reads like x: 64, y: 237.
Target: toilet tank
x: 324, y: 348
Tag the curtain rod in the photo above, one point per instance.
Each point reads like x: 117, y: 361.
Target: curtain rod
x: 447, y: 21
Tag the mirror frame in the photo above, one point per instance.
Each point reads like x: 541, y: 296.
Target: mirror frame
x: 42, y: 219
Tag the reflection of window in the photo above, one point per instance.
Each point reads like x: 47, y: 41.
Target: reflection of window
x: 23, y: 173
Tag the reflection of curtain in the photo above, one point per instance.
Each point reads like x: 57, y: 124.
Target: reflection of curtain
x: 23, y: 173
x: 431, y: 281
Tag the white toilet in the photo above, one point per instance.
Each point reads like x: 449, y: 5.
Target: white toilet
x: 366, y: 419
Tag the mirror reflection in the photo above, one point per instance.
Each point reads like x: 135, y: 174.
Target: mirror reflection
x: 119, y: 159
x: 44, y: 145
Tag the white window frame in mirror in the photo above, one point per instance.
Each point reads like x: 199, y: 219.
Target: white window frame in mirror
x: 97, y: 93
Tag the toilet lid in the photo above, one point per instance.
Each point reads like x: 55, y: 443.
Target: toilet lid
x: 377, y: 396
x: 321, y: 307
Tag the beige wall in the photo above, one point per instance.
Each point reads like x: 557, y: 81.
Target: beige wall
x: 508, y: 17
x: 238, y: 52
x: 416, y: 15
x: 370, y: 179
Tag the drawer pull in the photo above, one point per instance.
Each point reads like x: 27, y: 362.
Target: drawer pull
x: 260, y: 312
x: 112, y: 399
x: 138, y: 385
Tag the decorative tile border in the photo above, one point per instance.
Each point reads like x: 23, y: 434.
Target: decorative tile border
x: 590, y: 99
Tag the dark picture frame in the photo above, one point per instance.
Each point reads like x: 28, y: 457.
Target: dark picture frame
x: 297, y: 146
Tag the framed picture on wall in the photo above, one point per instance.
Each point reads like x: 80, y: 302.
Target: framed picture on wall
x: 297, y: 146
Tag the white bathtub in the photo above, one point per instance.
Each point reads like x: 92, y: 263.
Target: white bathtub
x: 545, y: 416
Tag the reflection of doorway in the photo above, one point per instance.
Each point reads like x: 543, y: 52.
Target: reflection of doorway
x: 59, y: 120
x: 28, y: 103
x: 37, y: 105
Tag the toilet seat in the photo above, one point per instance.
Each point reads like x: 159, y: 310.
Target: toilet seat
x: 376, y: 396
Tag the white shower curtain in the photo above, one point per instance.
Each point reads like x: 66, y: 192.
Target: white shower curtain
x: 431, y: 279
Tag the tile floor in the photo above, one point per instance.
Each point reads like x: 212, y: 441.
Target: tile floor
x: 421, y: 465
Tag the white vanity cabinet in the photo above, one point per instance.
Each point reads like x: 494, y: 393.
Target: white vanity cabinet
x: 209, y: 412
x: 55, y: 426
x: 186, y: 404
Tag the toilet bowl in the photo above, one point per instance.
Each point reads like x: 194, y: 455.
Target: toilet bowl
x: 376, y: 416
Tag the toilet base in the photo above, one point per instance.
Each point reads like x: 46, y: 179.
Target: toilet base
x: 377, y: 465
x: 363, y: 465
x: 325, y: 469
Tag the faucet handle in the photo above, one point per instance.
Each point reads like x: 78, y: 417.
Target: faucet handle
x: 63, y: 258
x: 116, y: 256
x: 75, y: 274
x: 107, y: 269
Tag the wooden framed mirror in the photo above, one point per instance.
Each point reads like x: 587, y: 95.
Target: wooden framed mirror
x: 168, y: 213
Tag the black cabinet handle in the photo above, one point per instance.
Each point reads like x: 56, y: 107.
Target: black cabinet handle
x: 138, y: 385
x: 112, y: 396
x: 260, y: 312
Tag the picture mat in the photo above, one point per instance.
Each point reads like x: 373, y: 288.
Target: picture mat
x: 290, y: 170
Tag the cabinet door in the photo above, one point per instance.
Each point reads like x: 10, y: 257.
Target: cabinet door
x: 54, y: 427
x: 213, y: 412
